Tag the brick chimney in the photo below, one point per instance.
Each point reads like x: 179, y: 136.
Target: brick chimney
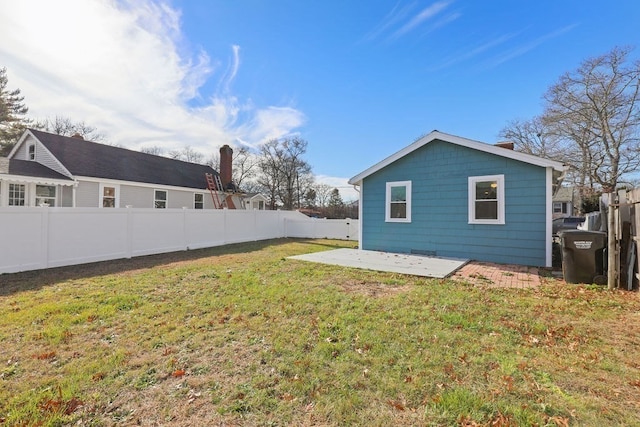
x: 226, y: 157
x: 505, y: 144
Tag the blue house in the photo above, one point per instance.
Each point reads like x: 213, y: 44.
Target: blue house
x: 449, y: 196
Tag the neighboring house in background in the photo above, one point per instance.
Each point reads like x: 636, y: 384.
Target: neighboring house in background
x: 60, y: 171
x: 255, y: 201
x: 564, y: 202
x: 449, y: 196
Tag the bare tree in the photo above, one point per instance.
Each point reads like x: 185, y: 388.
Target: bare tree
x: 269, y: 177
x: 244, y: 168
x: 12, y: 114
x: 156, y: 150
x: 283, y: 173
x: 534, y: 137
x: 64, y: 126
x: 597, y: 108
x: 187, y: 154
x: 323, y: 193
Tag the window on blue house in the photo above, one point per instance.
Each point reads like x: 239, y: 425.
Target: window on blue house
x: 486, y: 199
x: 398, y: 202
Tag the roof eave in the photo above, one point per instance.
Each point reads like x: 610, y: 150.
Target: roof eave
x: 38, y: 180
x: 477, y: 145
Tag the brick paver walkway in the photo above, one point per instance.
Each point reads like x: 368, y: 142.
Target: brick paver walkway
x: 498, y: 275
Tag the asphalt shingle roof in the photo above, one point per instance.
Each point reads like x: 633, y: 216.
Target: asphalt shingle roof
x: 28, y: 168
x: 86, y: 158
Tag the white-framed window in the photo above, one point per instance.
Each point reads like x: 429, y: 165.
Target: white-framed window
x: 486, y: 199
x: 16, y: 194
x: 46, y: 195
x: 560, y: 207
x: 198, y: 201
x: 32, y: 152
x: 398, y: 201
x: 160, y: 199
x: 109, y: 196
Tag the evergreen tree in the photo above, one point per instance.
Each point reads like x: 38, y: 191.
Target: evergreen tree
x: 335, y: 206
x: 12, y: 115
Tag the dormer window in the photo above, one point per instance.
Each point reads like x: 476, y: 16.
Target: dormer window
x: 32, y: 152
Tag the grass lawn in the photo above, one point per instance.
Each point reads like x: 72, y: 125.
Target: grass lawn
x: 239, y: 335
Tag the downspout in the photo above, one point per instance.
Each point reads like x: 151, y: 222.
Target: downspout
x: 548, y: 217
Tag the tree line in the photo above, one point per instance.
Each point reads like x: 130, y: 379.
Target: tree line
x: 277, y: 169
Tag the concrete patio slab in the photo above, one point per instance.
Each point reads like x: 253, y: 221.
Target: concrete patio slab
x: 416, y: 265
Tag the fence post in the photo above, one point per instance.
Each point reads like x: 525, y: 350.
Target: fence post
x: 611, y: 245
x: 129, y: 248
x: 44, y: 237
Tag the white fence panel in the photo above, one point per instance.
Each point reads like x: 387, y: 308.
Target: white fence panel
x: 22, y: 242
x: 204, y: 228
x: 82, y: 235
x: 32, y: 238
x: 344, y: 229
x: 155, y: 231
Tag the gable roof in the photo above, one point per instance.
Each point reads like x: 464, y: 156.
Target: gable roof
x: 90, y: 159
x: 252, y: 196
x: 563, y: 194
x: 464, y: 142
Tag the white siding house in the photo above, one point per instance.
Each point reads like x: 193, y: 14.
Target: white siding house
x: 59, y: 171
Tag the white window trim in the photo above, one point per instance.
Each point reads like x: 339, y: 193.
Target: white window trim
x: 166, y: 200
x: 194, y: 200
x: 29, y: 146
x: 54, y: 198
x: 101, y: 193
x: 472, y: 199
x: 387, y: 201
x: 25, y: 198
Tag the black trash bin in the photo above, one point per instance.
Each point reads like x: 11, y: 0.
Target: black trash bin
x: 583, y: 256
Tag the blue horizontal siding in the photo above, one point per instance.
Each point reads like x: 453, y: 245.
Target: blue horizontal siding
x: 439, y: 173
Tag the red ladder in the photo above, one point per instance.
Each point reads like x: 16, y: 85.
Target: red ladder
x: 214, y: 185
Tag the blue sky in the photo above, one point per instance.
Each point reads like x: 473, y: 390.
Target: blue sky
x: 358, y: 80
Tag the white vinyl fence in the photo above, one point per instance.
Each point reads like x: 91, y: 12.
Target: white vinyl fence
x: 37, y: 238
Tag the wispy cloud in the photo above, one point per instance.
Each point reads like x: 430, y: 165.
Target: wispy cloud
x: 422, y: 16
x: 396, y: 15
x: 125, y: 68
x: 402, y: 20
x: 231, y: 72
x: 474, y: 52
x: 528, y: 46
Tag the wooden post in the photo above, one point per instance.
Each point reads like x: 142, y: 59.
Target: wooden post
x: 611, y: 244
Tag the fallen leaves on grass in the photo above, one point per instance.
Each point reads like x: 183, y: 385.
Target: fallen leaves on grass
x: 60, y: 405
x: 396, y: 405
x: 45, y: 355
x: 178, y: 373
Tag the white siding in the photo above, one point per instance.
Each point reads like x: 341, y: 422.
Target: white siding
x: 87, y: 194
x: 22, y: 152
x: 179, y: 199
x: 137, y: 197
x: 66, y: 196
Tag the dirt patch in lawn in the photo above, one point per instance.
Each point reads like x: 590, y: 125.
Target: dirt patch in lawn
x: 374, y: 290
